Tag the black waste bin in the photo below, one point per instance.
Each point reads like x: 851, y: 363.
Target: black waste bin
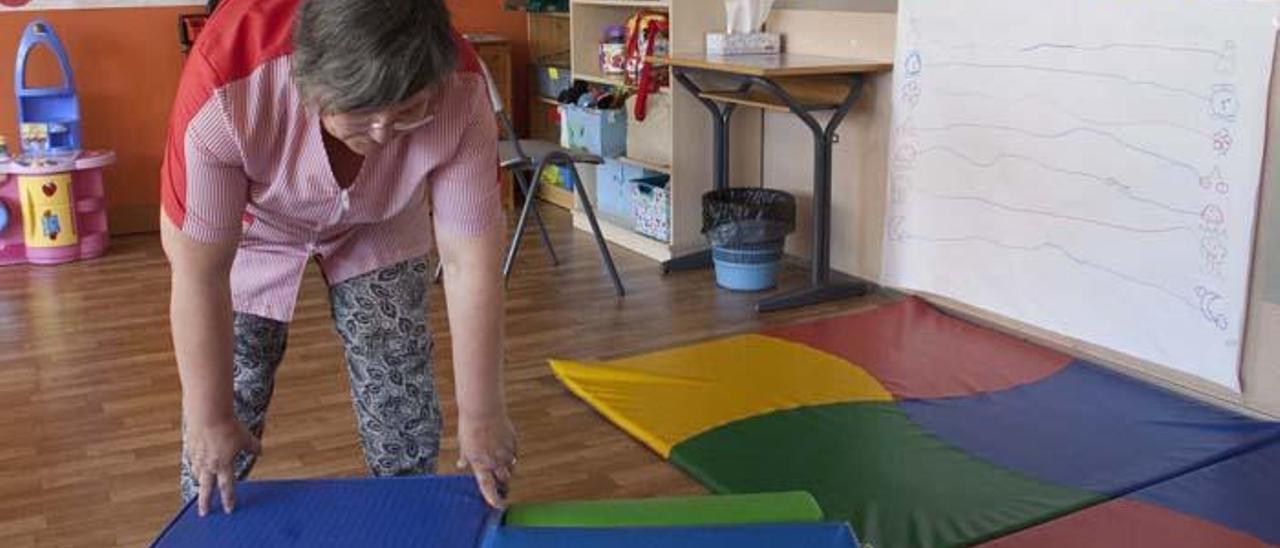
x: 747, y: 228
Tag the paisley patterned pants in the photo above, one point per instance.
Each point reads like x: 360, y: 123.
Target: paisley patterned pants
x: 382, y: 319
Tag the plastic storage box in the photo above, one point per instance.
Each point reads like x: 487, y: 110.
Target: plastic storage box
x: 600, y: 132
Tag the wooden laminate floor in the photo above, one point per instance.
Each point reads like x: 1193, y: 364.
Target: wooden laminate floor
x: 89, y: 395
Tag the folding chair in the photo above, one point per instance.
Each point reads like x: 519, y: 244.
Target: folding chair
x: 524, y: 156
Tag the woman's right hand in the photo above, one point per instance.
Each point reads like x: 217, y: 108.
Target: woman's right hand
x: 200, y: 316
x: 212, y: 448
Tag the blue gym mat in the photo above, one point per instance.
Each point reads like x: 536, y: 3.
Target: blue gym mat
x: 1091, y: 428
x: 1242, y: 493
x: 411, y: 511
x: 433, y: 511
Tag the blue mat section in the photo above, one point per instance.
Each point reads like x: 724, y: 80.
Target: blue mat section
x: 1091, y: 428
x: 417, y: 511
x: 817, y: 535
x: 1242, y: 493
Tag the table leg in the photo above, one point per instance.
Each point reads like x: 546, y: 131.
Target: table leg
x: 822, y: 288
x: 814, y: 294
x: 720, y: 119
x: 692, y: 261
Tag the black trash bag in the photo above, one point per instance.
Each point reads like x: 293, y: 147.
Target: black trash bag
x: 743, y: 216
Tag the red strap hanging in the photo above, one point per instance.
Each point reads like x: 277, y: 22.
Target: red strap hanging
x: 647, y: 83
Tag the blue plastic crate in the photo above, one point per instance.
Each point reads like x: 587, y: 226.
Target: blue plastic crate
x: 600, y: 132
x: 552, y: 80
x: 612, y: 190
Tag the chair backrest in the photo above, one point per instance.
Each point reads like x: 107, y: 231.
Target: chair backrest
x: 495, y: 96
x: 500, y: 110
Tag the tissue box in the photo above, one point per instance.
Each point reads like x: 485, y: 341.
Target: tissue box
x: 754, y: 43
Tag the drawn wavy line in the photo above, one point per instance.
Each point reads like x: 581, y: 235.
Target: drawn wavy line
x: 1123, y: 45
x: 1056, y: 215
x: 975, y: 46
x: 1111, y: 182
x: 1104, y: 75
x: 1055, y: 105
x: 1065, y: 133
x: 952, y: 46
x: 1065, y: 253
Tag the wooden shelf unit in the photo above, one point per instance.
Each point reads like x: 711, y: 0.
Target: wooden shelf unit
x: 589, y: 19
x: 625, y: 237
x: 647, y: 165
x: 690, y: 133
x: 629, y: 4
x: 557, y: 196
x: 604, y: 79
x: 548, y: 43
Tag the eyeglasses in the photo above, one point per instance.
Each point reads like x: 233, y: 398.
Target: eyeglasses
x: 372, y: 123
x: 406, y: 118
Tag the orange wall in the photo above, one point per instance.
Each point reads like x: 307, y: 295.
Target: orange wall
x: 487, y: 16
x: 126, y: 64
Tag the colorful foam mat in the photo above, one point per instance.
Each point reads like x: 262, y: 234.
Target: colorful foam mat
x: 448, y: 512
x: 1090, y: 428
x: 756, y: 508
x: 924, y: 430
x: 665, y: 397
x: 914, y: 351
x: 809, y: 535
x: 1234, y: 503
x: 419, y: 511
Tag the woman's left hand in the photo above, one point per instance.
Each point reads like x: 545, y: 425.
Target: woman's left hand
x: 488, y: 446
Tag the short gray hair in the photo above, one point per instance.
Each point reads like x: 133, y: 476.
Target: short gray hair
x: 352, y: 55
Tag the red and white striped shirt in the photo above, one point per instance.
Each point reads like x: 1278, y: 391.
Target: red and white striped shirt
x: 245, y: 159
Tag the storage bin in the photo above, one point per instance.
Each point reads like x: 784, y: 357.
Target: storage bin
x: 558, y: 176
x: 651, y: 206
x: 650, y: 141
x: 541, y: 6
x: 612, y: 198
x: 552, y: 80
x: 600, y: 132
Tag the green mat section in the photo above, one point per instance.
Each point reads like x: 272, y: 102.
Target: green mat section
x: 789, y: 507
x: 898, y: 485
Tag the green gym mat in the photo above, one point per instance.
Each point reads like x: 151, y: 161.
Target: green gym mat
x: 782, y: 507
x: 896, y: 483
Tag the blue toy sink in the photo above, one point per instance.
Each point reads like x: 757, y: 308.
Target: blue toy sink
x: 57, y: 108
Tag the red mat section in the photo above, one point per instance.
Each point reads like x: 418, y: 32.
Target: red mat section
x: 1128, y: 523
x: 915, y: 351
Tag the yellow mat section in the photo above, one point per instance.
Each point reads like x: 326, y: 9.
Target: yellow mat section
x: 667, y: 397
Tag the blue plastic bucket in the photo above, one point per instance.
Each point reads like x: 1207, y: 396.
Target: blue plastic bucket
x: 752, y: 267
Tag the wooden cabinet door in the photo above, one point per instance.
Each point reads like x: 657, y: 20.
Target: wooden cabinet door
x: 497, y: 56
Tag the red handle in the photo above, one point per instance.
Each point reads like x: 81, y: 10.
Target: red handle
x: 646, y: 71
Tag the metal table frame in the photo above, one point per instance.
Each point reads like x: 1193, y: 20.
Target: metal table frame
x: 824, y: 284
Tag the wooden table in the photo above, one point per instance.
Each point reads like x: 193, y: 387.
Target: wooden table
x: 799, y: 84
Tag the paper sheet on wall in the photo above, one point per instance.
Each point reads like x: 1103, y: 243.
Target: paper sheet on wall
x: 1086, y: 166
